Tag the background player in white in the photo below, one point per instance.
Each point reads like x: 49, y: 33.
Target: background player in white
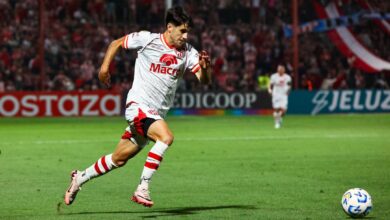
x: 279, y: 87
x: 162, y: 60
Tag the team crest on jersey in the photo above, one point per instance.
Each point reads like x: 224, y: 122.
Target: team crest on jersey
x: 168, y: 59
x: 180, y: 54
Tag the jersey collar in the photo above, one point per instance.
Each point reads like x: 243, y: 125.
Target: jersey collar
x: 165, y: 42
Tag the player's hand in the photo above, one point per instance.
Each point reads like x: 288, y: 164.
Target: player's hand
x: 105, y: 78
x: 204, y: 59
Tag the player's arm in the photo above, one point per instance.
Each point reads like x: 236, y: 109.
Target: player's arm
x: 270, y: 87
x: 288, y: 87
x: 204, y: 73
x: 104, y: 75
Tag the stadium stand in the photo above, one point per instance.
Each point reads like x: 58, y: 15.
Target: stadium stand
x: 246, y: 45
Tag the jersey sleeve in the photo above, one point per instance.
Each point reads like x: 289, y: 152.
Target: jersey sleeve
x: 272, y: 80
x: 193, y: 60
x: 289, y: 79
x: 136, y: 40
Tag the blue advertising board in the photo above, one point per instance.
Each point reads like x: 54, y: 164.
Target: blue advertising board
x: 338, y: 101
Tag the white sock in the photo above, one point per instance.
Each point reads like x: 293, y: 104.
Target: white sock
x: 101, y: 167
x: 152, y: 163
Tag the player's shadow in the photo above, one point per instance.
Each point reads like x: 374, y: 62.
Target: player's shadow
x: 155, y: 213
x: 369, y: 217
x: 192, y: 210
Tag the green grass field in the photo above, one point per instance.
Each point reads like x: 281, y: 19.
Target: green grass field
x: 223, y: 167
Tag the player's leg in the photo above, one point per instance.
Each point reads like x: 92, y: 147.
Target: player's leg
x: 281, y: 114
x: 160, y: 133
x: 275, y: 106
x: 283, y: 109
x: 277, y: 117
x: 277, y: 113
x: 125, y: 150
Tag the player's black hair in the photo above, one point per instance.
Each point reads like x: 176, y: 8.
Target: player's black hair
x: 177, y: 16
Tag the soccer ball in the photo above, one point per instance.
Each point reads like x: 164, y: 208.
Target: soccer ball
x: 356, y: 202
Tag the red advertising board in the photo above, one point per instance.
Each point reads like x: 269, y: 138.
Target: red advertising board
x: 49, y: 104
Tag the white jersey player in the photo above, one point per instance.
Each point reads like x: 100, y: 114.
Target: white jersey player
x: 279, y: 87
x: 158, y: 69
x: 162, y: 60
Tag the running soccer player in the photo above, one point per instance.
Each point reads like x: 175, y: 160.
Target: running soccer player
x: 279, y: 88
x: 162, y: 60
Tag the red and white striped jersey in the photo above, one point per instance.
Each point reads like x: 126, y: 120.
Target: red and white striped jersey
x: 158, y: 69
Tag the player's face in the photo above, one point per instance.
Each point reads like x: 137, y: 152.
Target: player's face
x: 178, y: 34
x: 281, y: 70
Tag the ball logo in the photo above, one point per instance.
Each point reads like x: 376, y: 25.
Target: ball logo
x: 168, y: 59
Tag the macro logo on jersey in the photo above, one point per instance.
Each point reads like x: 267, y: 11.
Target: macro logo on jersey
x: 167, y: 59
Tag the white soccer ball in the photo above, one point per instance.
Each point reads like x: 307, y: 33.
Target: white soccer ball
x: 356, y: 202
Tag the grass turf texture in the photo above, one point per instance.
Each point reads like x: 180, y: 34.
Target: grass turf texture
x: 221, y: 167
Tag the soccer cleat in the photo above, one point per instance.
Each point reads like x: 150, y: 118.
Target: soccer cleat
x: 277, y: 125
x: 70, y: 194
x: 141, y: 196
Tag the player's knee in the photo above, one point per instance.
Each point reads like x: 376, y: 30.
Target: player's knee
x: 120, y: 163
x: 118, y: 160
x: 167, y: 139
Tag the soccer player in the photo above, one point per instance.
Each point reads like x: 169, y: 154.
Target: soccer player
x: 279, y: 88
x: 162, y: 60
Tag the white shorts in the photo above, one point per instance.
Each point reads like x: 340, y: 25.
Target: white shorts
x: 280, y: 102
x: 134, y: 114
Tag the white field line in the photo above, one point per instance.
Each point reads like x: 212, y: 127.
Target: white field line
x: 238, y: 138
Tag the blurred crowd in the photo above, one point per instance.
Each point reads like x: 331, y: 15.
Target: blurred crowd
x: 244, y: 38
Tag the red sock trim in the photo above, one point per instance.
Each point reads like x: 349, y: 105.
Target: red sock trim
x: 155, y: 156
x: 97, y: 168
x: 103, y: 159
x: 151, y: 165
